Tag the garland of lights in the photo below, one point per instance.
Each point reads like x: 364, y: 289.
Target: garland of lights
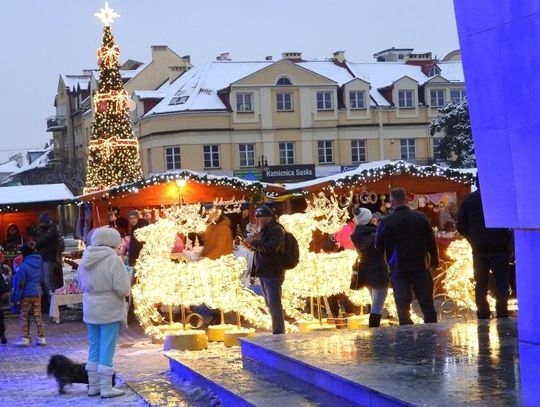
x: 113, y: 151
x: 396, y: 169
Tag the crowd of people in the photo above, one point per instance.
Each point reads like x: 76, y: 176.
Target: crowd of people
x: 397, y: 250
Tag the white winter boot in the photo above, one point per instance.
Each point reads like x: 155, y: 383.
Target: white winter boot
x: 105, y: 383
x: 93, y: 378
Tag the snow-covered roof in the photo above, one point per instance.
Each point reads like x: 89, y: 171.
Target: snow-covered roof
x: 452, y: 71
x: 150, y: 94
x: 199, y: 86
x: 382, y: 74
x: 373, y: 169
x: 41, y: 162
x: 74, y: 81
x: 34, y: 193
x: 329, y: 70
x: 130, y: 73
x: 373, y: 165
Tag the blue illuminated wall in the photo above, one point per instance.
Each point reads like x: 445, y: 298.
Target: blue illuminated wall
x: 500, y: 46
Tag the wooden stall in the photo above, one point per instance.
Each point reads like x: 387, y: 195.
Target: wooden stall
x: 22, y: 205
x: 168, y: 189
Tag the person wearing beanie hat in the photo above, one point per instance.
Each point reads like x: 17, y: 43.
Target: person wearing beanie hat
x: 44, y: 218
x: 104, y: 282
x: 267, y: 244
x: 370, y: 269
x: 27, y: 291
x: 362, y: 216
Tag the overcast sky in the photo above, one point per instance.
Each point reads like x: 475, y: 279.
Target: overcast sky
x: 41, y: 39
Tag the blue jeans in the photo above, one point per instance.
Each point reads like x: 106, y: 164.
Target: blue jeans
x: 271, y: 287
x: 102, y: 342
x: 498, y: 264
x: 378, y: 298
x: 419, y: 281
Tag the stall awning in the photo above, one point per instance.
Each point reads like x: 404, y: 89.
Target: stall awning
x: 27, y: 195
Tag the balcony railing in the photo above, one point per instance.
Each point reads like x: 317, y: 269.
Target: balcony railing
x: 56, y: 123
x: 426, y: 161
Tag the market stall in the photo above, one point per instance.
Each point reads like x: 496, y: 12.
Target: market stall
x: 163, y: 190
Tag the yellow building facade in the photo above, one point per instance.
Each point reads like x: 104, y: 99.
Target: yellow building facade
x: 229, y: 117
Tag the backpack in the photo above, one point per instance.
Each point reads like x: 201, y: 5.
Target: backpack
x: 291, y: 251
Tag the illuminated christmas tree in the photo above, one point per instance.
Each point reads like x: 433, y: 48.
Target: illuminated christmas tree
x: 113, y: 150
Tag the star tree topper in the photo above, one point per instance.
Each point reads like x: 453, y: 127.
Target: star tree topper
x: 107, y: 15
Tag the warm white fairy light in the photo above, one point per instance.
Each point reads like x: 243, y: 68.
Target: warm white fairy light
x: 215, y: 283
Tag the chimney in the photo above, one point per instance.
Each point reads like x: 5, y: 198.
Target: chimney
x: 158, y: 49
x: 292, y: 56
x: 224, y: 56
x: 268, y: 57
x: 339, y: 57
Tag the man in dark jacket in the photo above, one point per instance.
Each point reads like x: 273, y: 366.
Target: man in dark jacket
x: 47, y: 245
x: 135, y: 246
x: 490, y: 248
x: 267, y: 264
x: 411, y: 251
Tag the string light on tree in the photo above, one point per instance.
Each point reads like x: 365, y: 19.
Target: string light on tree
x: 113, y: 150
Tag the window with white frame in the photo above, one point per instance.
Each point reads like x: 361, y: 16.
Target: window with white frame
x: 172, y: 158
x: 436, y: 143
x: 286, y: 153
x: 244, y: 102
x: 405, y: 99
x: 325, y: 152
x: 284, y: 102
x: 408, y: 149
x: 324, y: 101
x: 247, y: 155
x: 457, y: 95
x: 357, y: 99
x: 437, y: 97
x: 358, y: 149
x: 211, y: 156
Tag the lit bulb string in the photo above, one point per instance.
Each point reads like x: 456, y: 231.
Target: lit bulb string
x: 457, y: 282
x: 121, y: 191
x: 113, y: 151
x: 395, y: 169
x: 215, y: 283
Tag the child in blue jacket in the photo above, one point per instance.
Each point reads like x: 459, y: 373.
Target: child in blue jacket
x: 27, y: 291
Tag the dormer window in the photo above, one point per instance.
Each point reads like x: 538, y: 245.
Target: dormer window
x: 284, y: 81
x: 357, y: 99
x: 405, y: 99
x: 434, y: 70
x: 244, y: 102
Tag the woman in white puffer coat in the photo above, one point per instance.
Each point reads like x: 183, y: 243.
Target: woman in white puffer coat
x: 104, y: 281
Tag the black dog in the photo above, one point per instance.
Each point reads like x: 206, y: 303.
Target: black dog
x: 67, y: 371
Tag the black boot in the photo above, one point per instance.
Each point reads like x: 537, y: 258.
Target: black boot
x: 374, y: 320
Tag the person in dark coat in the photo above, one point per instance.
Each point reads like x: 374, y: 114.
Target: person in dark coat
x: 491, y: 251
x: 135, y: 246
x: 47, y: 245
x: 411, y: 252
x: 372, y: 270
x: 267, y: 245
